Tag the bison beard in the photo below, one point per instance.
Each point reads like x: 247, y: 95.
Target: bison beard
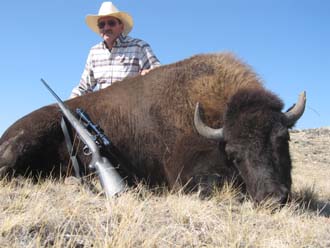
x: 150, y: 119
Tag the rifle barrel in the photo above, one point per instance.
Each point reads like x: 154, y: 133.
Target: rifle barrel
x: 51, y: 91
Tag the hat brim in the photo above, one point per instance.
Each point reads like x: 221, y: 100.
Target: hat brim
x: 126, y: 19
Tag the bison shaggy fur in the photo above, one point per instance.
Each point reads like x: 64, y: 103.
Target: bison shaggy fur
x: 150, y: 120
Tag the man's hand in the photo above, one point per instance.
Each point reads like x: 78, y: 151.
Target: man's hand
x: 145, y: 71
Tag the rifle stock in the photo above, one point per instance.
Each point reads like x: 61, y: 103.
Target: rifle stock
x: 110, y: 180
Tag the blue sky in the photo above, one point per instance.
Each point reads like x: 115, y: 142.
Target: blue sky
x: 285, y: 42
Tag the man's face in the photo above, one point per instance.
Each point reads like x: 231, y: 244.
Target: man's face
x: 110, y: 28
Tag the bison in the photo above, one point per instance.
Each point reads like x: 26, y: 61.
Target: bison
x: 164, y: 141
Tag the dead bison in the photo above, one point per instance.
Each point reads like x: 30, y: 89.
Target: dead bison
x: 150, y: 119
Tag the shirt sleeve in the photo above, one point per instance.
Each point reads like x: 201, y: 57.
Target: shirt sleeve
x: 148, y: 58
x: 87, y: 81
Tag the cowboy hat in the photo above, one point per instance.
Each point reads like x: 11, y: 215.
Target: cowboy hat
x: 109, y: 9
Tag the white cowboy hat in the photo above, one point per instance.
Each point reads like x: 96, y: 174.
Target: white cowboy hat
x: 108, y: 9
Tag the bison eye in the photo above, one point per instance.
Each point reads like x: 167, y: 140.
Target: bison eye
x: 236, y: 161
x: 232, y: 154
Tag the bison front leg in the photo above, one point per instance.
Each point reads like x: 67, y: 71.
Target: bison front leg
x: 199, y: 165
x: 32, y: 144
x: 205, y: 185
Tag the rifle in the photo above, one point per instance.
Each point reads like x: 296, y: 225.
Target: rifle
x: 110, y: 180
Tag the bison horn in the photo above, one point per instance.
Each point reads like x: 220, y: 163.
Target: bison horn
x: 204, y: 130
x: 298, y: 109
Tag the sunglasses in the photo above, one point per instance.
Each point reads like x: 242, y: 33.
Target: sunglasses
x: 111, y: 23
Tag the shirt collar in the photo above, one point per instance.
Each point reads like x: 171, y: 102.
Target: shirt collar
x: 120, y: 40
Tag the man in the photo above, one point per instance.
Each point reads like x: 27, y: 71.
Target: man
x: 118, y: 56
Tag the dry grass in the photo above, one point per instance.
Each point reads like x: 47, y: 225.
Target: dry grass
x: 55, y: 214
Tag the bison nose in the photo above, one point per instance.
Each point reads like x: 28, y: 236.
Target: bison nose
x: 283, y: 195
x: 282, y: 198
x: 279, y: 196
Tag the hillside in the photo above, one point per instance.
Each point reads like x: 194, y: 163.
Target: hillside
x: 310, y: 150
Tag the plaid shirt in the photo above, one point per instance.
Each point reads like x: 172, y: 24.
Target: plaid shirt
x: 128, y: 57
